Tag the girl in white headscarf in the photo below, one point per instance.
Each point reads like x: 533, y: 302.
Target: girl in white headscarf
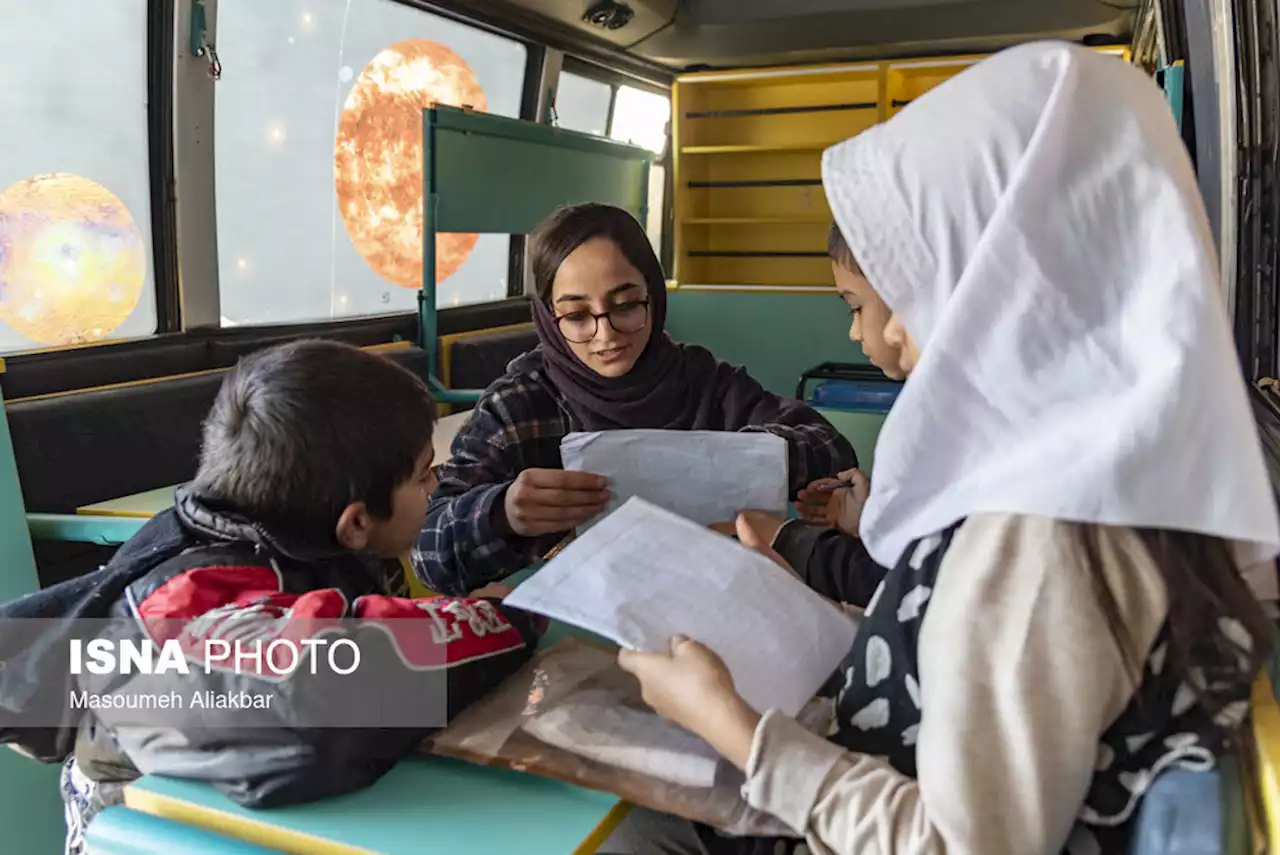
x: 1070, y: 489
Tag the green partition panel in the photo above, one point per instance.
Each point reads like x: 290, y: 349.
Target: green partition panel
x: 494, y: 175
x: 777, y: 336
x: 30, y: 807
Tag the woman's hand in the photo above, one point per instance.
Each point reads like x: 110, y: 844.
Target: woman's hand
x: 690, y: 685
x: 545, y: 501
x: 840, y: 508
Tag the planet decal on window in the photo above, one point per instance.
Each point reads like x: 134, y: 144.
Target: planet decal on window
x: 72, y: 260
x: 377, y: 160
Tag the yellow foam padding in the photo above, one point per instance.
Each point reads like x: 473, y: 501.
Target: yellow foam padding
x: 1266, y: 733
x: 259, y: 832
x: 144, y: 382
x: 446, y: 347
x: 607, y: 826
x: 417, y: 590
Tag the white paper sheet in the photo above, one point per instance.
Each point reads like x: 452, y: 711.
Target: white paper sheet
x: 705, y: 476
x: 643, y: 574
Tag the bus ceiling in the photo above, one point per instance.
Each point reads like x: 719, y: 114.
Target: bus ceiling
x: 685, y: 35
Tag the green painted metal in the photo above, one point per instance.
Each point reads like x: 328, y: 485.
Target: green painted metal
x: 196, y: 35
x: 17, y: 560
x: 776, y: 335
x: 445, y: 395
x: 493, y: 175
x: 104, y: 531
x: 30, y: 807
x: 1173, y: 80
x: 536, y: 184
x: 517, y: 130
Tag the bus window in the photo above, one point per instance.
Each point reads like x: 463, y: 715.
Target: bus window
x: 319, y: 156
x: 75, y: 203
x: 643, y: 118
x: 582, y: 104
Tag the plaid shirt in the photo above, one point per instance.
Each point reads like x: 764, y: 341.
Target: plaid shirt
x: 517, y: 425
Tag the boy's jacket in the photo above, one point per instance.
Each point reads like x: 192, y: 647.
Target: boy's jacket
x: 194, y: 572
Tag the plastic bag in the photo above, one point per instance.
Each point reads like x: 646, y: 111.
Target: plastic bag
x: 572, y: 714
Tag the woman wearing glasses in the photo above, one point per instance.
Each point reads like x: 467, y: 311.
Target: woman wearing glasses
x: 603, y: 363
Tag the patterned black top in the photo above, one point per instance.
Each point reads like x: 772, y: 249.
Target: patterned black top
x: 518, y: 424
x: 878, y: 702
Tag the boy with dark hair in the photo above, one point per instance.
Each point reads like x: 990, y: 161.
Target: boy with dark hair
x: 316, y: 463
x: 322, y: 442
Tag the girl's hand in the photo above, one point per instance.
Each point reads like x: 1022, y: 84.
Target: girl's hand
x: 765, y: 527
x: 690, y: 685
x: 841, y: 508
x: 756, y: 531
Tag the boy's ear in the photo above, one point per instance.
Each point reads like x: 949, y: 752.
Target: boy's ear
x: 354, y: 527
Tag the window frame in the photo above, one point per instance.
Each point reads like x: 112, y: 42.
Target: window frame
x: 535, y: 61
x: 181, y: 162
x: 615, y: 80
x: 161, y: 20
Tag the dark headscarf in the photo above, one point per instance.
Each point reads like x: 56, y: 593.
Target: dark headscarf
x: 672, y: 386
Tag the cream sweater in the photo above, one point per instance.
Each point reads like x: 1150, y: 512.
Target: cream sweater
x: 1019, y: 678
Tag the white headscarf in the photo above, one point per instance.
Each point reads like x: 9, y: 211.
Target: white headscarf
x: 1036, y: 224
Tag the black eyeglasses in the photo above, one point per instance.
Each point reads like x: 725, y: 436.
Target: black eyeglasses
x: 581, y: 327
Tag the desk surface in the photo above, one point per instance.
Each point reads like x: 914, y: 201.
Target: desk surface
x: 117, y: 830
x: 424, y: 805
x: 151, y: 502
x: 146, y: 504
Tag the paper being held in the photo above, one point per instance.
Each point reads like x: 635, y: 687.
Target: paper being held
x: 644, y: 574
x: 704, y: 476
x: 593, y: 724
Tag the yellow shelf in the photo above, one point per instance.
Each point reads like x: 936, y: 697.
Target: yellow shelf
x: 761, y: 131
x: 754, y: 149
x: 755, y: 221
x: 781, y: 75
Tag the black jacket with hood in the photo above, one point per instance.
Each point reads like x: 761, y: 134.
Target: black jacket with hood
x: 195, y: 573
